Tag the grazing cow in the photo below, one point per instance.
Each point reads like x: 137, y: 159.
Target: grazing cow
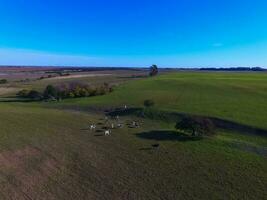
x: 107, y: 132
x: 119, y: 125
x: 92, y: 127
x: 135, y: 124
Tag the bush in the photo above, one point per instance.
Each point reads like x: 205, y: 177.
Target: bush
x: 23, y: 93
x: 32, y: 94
x: 3, y: 81
x: 197, y: 126
x: 149, y: 103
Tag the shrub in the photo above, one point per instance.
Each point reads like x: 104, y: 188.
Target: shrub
x: 71, y: 95
x: 149, y: 103
x: 3, y: 81
x: 32, y: 94
x: 23, y: 93
x: 197, y: 126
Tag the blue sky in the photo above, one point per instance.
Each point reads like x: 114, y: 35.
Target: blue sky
x: 170, y: 33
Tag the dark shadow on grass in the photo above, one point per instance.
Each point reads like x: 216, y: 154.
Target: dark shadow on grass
x: 173, y: 117
x: 167, y: 135
x: 17, y: 100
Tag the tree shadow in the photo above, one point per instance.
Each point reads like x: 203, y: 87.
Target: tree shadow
x: 167, y: 135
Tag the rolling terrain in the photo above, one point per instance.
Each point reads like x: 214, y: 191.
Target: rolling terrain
x: 47, y: 150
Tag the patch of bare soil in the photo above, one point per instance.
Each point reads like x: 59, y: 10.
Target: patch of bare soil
x: 24, y: 172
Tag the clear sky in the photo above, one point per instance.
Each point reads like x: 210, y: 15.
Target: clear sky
x: 170, y: 33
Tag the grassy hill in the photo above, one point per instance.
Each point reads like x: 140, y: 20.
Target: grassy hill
x: 236, y: 96
x: 48, y: 152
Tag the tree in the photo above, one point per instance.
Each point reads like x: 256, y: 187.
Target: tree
x: 149, y: 103
x: 153, y: 70
x: 50, y: 91
x: 197, y: 126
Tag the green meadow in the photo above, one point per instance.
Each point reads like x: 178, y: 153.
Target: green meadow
x: 48, y: 152
x: 239, y: 97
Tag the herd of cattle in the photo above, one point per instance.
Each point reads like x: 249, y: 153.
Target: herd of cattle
x: 113, y: 124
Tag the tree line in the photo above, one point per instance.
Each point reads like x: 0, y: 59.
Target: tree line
x: 72, y: 90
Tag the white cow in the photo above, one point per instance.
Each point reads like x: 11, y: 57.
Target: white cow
x: 107, y: 132
x: 92, y: 127
x: 119, y: 125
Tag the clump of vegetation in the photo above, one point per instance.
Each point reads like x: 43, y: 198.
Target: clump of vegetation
x: 196, y: 126
x: 23, y: 93
x: 75, y: 90
x: 30, y: 94
x: 3, y: 81
x: 72, y: 90
x: 50, y: 92
x: 35, y: 95
x: 153, y: 70
x: 149, y: 103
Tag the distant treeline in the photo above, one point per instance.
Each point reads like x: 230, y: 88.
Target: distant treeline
x: 90, y: 69
x: 234, y: 69
x: 71, y: 90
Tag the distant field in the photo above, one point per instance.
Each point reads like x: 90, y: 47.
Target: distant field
x: 236, y: 96
x: 48, y: 152
x: 19, y: 79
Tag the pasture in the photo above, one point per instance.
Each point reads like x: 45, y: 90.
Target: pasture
x: 235, y: 96
x: 47, y: 150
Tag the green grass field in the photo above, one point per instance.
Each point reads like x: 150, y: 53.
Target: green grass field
x: 47, y: 151
x: 239, y: 97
